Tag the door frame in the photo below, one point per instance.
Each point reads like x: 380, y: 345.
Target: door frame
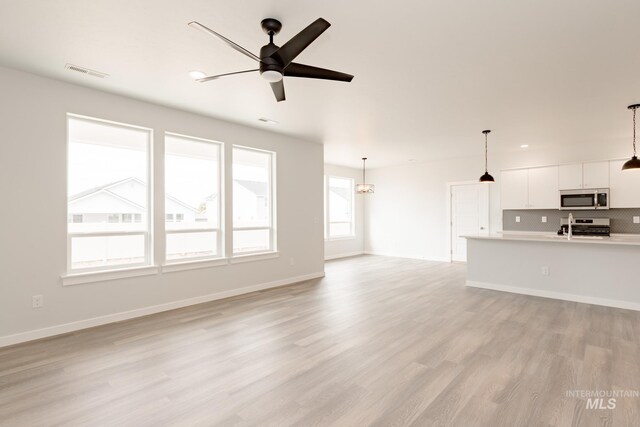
x: 450, y: 186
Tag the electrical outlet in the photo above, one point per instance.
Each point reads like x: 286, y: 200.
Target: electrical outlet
x: 37, y: 301
x: 544, y: 270
x: 517, y: 219
x: 292, y: 261
x: 544, y: 219
x: 636, y: 219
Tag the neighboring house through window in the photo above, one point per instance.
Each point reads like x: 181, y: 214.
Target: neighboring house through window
x: 193, y: 186
x: 253, y: 201
x: 107, y: 188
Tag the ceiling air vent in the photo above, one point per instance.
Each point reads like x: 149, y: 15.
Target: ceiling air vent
x: 87, y: 71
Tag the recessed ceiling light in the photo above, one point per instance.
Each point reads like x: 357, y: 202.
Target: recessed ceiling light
x: 197, y: 75
x: 524, y: 146
x: 268, y: 121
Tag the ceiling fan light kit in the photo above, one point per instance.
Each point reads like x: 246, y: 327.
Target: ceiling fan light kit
x: 276, y: 62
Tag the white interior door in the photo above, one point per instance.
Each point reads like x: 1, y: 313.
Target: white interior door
x: 469, y: 215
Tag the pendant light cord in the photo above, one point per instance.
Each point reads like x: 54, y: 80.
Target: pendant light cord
x: 634, y: 132
x: 486, y: 168
x: 364, y: 167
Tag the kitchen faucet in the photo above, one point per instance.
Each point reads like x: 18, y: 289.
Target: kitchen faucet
x: 570, y: 221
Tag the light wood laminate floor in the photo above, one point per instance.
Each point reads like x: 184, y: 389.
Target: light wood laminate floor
x: 378, y: 341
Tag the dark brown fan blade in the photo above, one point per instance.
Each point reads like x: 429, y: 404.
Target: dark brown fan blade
x: 233, y: 45
x: 209, y: 78
x: 278, y: 90
x: 288, y: 52
x: 301, y: 70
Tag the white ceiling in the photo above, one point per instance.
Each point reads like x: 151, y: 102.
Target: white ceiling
x: 429, y: 75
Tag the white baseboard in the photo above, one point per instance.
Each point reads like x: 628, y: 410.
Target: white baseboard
x: 393, y: 255
x: 343, y: 255
x: 144, y: 311
x: 556, y: 295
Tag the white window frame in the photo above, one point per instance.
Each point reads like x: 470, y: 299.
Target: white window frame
x: 148, y: 243
x: 272, y: 205
x: 220, y: 229
x: 327, y: 211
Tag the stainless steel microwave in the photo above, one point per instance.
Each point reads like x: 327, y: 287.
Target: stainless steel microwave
x: 589, y: 199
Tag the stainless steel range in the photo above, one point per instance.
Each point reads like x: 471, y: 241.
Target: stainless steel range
x: 586, y: 227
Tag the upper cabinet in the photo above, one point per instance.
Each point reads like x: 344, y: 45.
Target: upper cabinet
x: 514, y: 189
x: 625, y: 186
x: 595, y: 175
x: 570, y: 176
x: 543, y: 188
x: 534, y: 188
x: 583, y: 175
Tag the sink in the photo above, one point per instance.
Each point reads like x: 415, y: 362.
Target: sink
x: 577, y: 237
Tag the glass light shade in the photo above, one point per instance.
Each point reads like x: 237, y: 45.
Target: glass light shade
x: 632, y: 164
x: 365, y: 188
x: 271, y: 76
x: 487, y: 178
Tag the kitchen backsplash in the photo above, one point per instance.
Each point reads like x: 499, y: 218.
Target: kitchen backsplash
x: 531, y: 220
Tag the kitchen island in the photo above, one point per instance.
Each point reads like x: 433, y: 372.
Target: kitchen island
x: 603, y: 271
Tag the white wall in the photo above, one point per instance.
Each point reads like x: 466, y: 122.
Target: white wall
x: 33, y: 214
x: 338, y: 248
x: 407, y: 215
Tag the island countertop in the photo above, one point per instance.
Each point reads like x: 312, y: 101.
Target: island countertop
x: 615, y: 239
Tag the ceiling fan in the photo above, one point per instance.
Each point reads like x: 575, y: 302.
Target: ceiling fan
x: 276, y: 62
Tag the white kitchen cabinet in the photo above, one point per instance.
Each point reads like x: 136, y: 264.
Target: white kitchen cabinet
x: 595, y: 175
x: 583, y: 175
x: 624, y: 186
x: 514, y: 189
x: 534, y: 188
x: 543, y: 188
x: 570, y: 176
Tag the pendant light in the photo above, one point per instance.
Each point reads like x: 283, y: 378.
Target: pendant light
x: 486, y: 177
x: 633, y: 163
x: 364, y: 188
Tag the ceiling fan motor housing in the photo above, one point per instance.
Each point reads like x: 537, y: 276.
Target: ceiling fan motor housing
x: 267, y: 63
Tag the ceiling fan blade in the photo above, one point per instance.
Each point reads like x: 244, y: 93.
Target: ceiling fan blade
x: 199, y: 26
x: 288, y: 52
x: 278, y: 90
x: 209, y: 78
x: 309, y: 72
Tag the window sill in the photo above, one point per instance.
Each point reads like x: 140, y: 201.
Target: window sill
x: 332, y: 239
x: 194, y: 265
x: 238, y: 259
x: 103, y: 276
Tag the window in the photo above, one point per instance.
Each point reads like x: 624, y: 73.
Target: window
x: 108, y: 177
x: 192, y: 198
x: 253, y: 201
x: 339, y: 209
